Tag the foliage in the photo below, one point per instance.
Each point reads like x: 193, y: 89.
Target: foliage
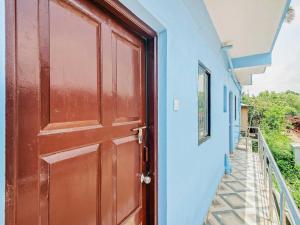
x: 274, y: 119
x: 287, y: 102
x: 269, y: 110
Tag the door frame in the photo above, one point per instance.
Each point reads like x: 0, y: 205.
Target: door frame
x: 134, y: 24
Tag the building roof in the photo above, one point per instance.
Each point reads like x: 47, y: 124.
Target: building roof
x: 251, y: 29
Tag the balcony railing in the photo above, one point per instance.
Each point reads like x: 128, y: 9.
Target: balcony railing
x: 280, y: 200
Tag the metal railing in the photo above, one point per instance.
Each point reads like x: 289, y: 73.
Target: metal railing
x: 280, y: 200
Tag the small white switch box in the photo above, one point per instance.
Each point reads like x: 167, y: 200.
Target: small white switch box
x: 176, y: 104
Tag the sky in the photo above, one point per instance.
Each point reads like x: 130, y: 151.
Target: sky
x: 284, y: 74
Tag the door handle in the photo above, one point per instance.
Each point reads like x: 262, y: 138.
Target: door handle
x: 140, y: 133
x: 145, y: 179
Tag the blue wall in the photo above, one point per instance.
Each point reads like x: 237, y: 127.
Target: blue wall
x: 188, y: 173
x: 2, y: 111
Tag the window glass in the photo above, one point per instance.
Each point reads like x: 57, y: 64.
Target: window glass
x: 203, y: 104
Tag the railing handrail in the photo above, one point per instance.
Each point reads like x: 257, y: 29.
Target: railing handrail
x: 283, y: 187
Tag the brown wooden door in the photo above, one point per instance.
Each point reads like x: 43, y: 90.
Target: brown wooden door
x: 81, y: 91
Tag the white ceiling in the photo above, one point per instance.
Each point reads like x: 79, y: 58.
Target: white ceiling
x: 244, y: 75
x: 249, y: 25
x: 250, y: 70
x: 245, y: 79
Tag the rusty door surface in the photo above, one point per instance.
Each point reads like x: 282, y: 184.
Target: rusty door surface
x: 81, y: 91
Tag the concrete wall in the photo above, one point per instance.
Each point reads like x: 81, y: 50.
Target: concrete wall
x: 188, y: 173
x: 2, y: 111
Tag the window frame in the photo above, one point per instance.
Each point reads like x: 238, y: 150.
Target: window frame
x: 207, y: 77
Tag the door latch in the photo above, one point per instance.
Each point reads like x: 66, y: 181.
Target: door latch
x: 145, y: 179
x: 140, y: 133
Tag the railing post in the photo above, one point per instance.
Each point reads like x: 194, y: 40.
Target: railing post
x: 282, y: 209
x: 261, y: 152
x: 261, y: 158
x: 263, y: 162
x: 258, y: 144
x: 260, y: 149
x: 246, y: 139
x: 270, y: 194
x: 265, y: 172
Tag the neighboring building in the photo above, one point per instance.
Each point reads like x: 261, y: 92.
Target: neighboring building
x: 244, y: 117
x: 77, y: 76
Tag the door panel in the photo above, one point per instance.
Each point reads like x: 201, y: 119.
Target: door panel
x: 128, y: 184
x: 126, y: 79
x: 69, y: 181
x: 74, y: 65
x: 81, y: 92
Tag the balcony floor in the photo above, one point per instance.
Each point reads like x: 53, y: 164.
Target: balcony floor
x: 241, y: 197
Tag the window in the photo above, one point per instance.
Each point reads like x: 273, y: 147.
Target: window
x: 225, y: 99
x: 203, y: 103
x: 235, y: 107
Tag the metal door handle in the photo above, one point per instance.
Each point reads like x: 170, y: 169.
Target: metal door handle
x: 139, y: 128
x: 140, y: 133
x: 145, y: 179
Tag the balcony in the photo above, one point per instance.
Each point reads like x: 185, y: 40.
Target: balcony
x: 255, y: 192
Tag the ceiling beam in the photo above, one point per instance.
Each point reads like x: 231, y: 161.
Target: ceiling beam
x: 252, y: 61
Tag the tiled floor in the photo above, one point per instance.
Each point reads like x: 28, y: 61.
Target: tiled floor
x: 242, y: 197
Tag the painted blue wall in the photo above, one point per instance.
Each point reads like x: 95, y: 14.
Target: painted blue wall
x: 188, y: 173
x: 2, y: 111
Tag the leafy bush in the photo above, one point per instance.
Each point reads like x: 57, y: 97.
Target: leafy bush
x: 288, y: 102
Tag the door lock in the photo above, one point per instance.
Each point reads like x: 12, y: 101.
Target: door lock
x: 140, y: 133
x: 145, y: 179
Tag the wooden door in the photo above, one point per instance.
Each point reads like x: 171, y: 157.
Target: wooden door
x: 81, y: 91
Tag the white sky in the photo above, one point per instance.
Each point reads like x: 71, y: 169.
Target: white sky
x: 284, y: 74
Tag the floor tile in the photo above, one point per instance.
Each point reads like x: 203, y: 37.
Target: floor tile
x: 242, y: 197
